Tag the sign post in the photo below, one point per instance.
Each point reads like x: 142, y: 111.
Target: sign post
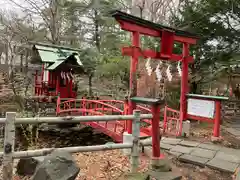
x: 206, y: 108
x: 155, y: 106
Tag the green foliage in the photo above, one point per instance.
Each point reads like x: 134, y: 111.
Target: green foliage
x: 216, y: 22
x: 114, y: 68
x: 89, y: 58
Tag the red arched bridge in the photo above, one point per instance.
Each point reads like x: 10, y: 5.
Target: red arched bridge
x: 115, y: 129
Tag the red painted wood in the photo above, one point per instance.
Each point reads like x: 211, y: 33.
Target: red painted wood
x: 167, y: 44
x: 113, y: 129
x: 49, y: 79
x: 155, y: 132
x: 165, y: 120
x: 217, y: 119
x: 133, y: 78
x: 184, y: 86
x: 36, y: 79
x: 42, y: 73
x: 171, y: 121
x: 199, y: 118
x: 57, y: 84
x: 127, y: 26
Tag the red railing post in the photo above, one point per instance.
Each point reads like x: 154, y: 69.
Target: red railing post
x: 58, y: 105
x: 84, y: 106
x: 155, y: 132
x: 217, y: 119
x: 36, y: 82
x: 57, y: 84
x: 165, y: 120
x: 125, y: 112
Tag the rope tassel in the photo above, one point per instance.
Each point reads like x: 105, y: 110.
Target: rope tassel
x: 158, y: 72
x: 169, y: 74
x: 179, y: 69
x: 148, y: 67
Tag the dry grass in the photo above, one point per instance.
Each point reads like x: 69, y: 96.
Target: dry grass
x: 102, y: 165
x: 105, y: 165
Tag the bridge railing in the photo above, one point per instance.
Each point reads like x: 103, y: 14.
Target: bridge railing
x: 9, y: 138
x: 171, y: 121
x: 86, y: 107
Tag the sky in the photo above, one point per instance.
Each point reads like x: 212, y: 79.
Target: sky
x: 6, y: 4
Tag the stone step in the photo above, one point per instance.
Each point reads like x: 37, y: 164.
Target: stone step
x: 235, y: 119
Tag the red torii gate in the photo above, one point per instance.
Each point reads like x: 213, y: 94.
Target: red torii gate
x: 138, y: 26
x: 168, y: 36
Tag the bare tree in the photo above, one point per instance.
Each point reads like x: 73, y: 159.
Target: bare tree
x: 158, y: 11
x: 13, y: 35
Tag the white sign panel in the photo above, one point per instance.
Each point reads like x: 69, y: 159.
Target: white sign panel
x: 199, y: 107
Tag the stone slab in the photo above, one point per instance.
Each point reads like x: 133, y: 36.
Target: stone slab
x: 199, y: 161
x: 204, y: 153
x: 222, y: 165
x: 189, y: 143
x: 164, y: 175
x: 147, y: 151
x: 182, y: 149
x: 163, y: 138
x: 233, y: 131
x: 176, y: 154
x: 238, y: 174
x: 235, y: 125
x: 209, y: 146
x: 235, y: 152
x: 166, y: 146
x: 227, y: 157
x: 171, y: 141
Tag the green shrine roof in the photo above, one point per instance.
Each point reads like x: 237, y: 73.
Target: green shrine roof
x: 56, y: 55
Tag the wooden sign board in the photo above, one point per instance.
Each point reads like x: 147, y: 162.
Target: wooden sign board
x: 200, y: 107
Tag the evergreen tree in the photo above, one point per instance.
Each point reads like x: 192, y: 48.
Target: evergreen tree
x: 217, y: 24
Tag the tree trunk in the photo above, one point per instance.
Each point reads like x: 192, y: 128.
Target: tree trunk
x: 21, y: 62
x: 90, y: 84
x: 97, y: 36
x: 6, y: 54
x: 54, y: 26
x: 194, y: 87
x: 26, y: 62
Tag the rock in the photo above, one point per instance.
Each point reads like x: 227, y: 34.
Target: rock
x: 164, y: 175
x: 58, y: 165
x: 134, y: 176
x: 162, y: 165
x: 27, y: 166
